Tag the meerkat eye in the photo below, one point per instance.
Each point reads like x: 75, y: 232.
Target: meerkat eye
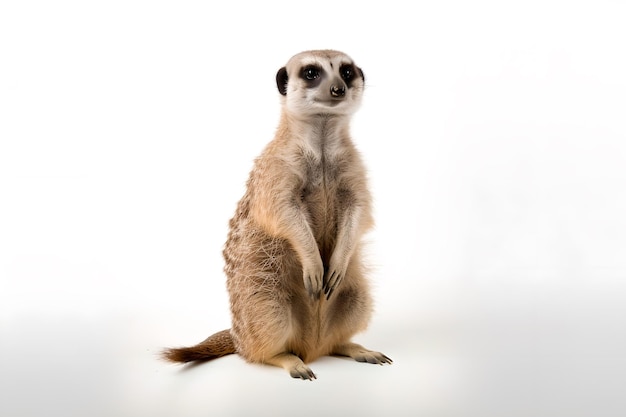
x: 347, y: 72
x: 310, y: 73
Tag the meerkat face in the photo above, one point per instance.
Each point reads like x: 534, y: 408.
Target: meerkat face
x: 320, y: 82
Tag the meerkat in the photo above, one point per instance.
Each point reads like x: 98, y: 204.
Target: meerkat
x: 293, y: 262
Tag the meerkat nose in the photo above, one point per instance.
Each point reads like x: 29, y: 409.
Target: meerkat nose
x: 337, y: 91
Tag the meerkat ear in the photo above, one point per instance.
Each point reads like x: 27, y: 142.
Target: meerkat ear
x: 361, y: 73
x: 281, y: 81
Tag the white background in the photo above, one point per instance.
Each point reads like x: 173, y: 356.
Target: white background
x: 495, y: 138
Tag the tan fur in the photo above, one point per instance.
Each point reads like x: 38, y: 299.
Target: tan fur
x: 293, y: 256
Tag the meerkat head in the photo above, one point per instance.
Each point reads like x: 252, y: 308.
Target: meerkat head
x: 322, y: 82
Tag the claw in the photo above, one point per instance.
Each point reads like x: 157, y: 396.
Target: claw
x: 330, y: 292
x: 305, y: 374
x: 332, y: 282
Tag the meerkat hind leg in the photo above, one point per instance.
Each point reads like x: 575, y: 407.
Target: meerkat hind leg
x: 293, y: 364
x: 360, y: 354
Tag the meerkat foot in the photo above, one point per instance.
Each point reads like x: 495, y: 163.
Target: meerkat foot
x: 360, y: 354
x: 302, y: 372
x: 294, y: 365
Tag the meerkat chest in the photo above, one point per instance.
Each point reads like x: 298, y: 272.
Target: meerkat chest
x: 322, y: 177
x: 322, y: 195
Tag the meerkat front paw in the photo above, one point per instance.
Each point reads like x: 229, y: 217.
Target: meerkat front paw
x: 313, y: 276
x: 332, y: 280
x: 333, y: 277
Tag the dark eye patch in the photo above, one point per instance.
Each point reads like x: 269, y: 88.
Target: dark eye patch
x: 349, y: 73
x: 312, y: 74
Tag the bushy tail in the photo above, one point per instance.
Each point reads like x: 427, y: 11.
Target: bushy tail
x: 214, y: 346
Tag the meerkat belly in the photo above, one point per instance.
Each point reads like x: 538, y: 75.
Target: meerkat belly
x: 320, y: 200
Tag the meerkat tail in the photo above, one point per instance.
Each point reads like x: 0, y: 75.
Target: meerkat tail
x: 214, y: 346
